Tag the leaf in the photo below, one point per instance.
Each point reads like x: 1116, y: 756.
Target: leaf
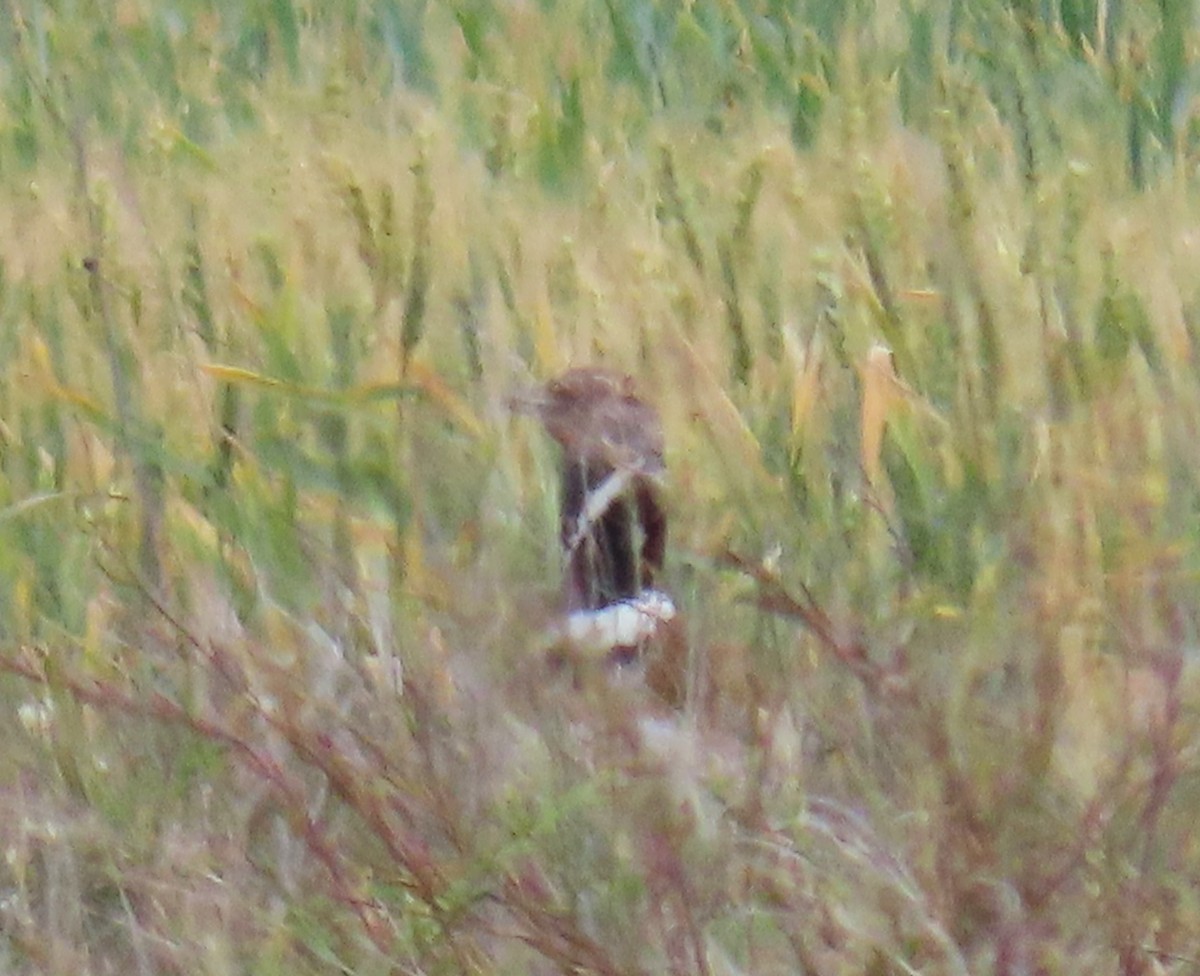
x: 245, y: 377
x: 413, y: 326
x: 880, y: 391
x: 439, y: 393
x: 806, y: 382
x: 34, y: 502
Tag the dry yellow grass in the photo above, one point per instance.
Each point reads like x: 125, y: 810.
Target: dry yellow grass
x: 276, y: 559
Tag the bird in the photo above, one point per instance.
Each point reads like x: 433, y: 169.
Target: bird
x: 613, y: 526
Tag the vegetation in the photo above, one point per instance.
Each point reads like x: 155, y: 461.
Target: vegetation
x: 916, y: 286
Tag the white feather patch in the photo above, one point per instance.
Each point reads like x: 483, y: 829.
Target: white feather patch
x: 624, y: 624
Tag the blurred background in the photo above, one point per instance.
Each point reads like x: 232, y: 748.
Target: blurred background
x: 915, y: 286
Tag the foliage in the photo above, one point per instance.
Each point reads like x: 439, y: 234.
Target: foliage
x: 913, y: 286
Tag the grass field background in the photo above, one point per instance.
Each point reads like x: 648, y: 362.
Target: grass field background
x: 916, y: 287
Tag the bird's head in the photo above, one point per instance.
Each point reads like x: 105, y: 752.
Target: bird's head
x: 597, y: 417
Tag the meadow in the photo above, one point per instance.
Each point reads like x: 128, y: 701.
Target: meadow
x: 916, y: 288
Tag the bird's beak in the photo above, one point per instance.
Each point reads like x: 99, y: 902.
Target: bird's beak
x: 531, y: 401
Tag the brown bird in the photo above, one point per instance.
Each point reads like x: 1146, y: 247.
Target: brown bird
x: 612, y: 523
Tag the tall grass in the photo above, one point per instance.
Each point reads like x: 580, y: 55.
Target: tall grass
x: 912, y: 285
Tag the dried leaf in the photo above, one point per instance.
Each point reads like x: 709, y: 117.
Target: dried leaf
x: 881, y: 390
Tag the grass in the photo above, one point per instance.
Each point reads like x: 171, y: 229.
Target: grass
x: 912, y: 285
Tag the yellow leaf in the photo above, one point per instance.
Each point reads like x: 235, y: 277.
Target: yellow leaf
x: 880, y: 393
x: 921, y: 295
x: 238, y: 374
x: 40, y: 354
x: 247, y: 377
x: 711, y: 405
x: 806, y: 381
x: 77, y: 397
x: 46, y: 381
x: 419, y: 378
x: 440, y: 393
